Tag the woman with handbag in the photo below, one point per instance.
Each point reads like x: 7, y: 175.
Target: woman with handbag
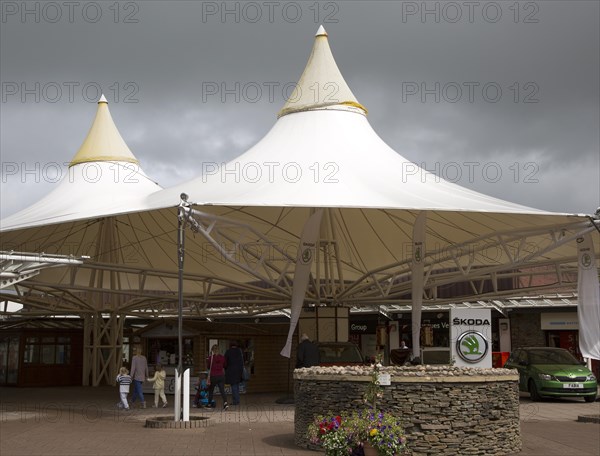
x: 217, y: 364
x: 234, y: 373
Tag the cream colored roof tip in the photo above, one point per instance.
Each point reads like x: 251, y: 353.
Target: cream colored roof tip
x: 321, y: 85
x: 103, y: 142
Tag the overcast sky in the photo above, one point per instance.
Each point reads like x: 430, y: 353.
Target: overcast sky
x: 501, y: 97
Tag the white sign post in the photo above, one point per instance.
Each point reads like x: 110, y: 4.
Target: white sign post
x: 182, y: 407
x: 177, y: 398
x: 186, y: 395
x: 471, y: 337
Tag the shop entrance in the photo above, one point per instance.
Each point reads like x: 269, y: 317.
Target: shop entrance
x: 569, y: 340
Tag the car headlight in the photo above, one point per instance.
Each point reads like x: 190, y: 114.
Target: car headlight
x: 546, y: 377
x: 590, y: 378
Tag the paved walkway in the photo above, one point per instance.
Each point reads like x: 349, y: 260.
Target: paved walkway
x: 84, y: 421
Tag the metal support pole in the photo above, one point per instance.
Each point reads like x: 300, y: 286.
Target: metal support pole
x: 180, y: 256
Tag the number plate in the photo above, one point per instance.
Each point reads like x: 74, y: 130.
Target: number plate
x: 573, y: 385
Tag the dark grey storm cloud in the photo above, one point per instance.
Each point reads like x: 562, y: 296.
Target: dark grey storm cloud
x: 501, y: 97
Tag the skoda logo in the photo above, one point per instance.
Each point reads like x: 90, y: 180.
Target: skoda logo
x: 306, y: 255
x: 472, y: 346
x: 586, y: 260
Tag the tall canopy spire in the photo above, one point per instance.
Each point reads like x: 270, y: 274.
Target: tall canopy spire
x: 103, y: 142
x: 321, y: 85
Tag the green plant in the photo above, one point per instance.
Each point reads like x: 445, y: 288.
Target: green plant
x: 374, y: 390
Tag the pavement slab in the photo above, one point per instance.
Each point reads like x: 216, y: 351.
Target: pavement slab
x: 76, y: 421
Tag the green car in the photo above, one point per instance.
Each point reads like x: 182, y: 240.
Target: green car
x: 546, y: 371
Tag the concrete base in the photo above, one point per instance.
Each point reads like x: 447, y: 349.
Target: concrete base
x: 589, y: 418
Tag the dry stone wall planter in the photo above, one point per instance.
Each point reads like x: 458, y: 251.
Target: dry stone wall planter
x: 444, y: 409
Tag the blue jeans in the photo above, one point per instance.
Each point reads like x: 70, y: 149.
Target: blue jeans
x: 219, y: 382
x: 137, y: 391
x: 235, y: 393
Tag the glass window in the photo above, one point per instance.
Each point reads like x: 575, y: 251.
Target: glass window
x: 47, y: 350
x: 47, y: 354
x: 125, y: 350
x: 166, y: 351
x: 13, y: 360
x: 31, y: 354
x: 3, y: 359
x: 63, y: 354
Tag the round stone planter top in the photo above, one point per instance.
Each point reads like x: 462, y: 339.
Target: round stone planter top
x: 408, y: 374
x: 168, y: 422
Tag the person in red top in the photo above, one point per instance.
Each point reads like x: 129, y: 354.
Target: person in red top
x: 216, y: 364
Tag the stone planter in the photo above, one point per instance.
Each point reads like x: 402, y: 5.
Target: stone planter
x: 444, y: 410
x: 369, y: 450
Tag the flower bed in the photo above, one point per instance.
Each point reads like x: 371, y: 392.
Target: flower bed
x: 342, y: 435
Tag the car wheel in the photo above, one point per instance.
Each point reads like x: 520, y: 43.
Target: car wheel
x: 535, y: 396
x: 589, y: 398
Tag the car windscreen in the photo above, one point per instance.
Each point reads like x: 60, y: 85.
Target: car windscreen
x: 552, y: 357
x: 339, y: 354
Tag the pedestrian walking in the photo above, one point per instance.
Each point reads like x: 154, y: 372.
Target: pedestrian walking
x: 217, y: 364
x: 159, y: 385
x: 307, y: 354
x: 123, y: 380
x: 139, y: 373
x: 234, y: 360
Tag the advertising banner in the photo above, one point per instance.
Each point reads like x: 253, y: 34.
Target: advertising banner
x: 588, y: 307
x: 306, y: 253
x: 471, y: 337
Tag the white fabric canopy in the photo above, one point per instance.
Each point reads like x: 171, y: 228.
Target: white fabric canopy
x: 329, y: 158
x: 104, y: 178
x: 318, y: 154
x: 322, y: 152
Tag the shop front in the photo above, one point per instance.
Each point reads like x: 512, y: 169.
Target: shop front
x: 41, y: 357
x: 260, y: 343
x: 374, y: 336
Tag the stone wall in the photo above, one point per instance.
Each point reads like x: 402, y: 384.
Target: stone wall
x: 526, y: 330
x: 445, y: 410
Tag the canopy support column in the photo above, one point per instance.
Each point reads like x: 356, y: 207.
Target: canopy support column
x: 418, y: 266
x: 103, y: 348
x: 87, y: 353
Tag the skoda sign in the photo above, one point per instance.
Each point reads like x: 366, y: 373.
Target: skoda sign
x: 470, y: 336
x: 472, y: 346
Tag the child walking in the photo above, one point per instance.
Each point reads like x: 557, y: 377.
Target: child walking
x: 159, y: 385
x: 123, y: 380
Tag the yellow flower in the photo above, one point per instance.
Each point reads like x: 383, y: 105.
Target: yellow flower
x: 373, y: 432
